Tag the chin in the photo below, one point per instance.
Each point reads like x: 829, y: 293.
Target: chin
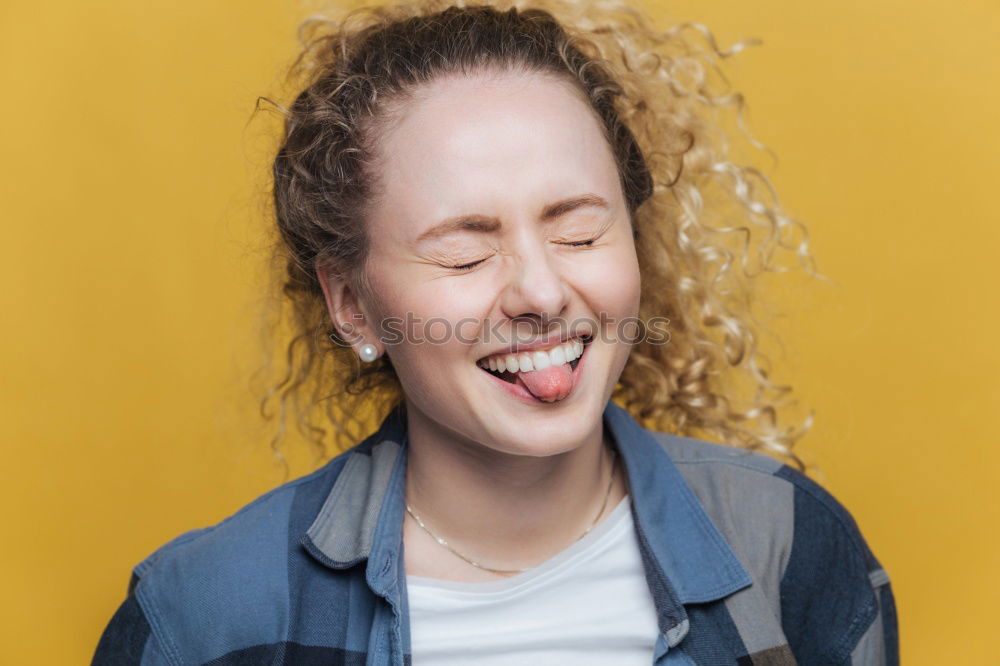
x: 545, y: 433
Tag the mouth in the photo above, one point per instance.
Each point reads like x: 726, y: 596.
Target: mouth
x: 510, y: 370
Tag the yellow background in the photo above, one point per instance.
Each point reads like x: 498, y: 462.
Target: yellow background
x: 130, y: 275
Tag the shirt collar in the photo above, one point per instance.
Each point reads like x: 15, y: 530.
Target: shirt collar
x: 686, y: 558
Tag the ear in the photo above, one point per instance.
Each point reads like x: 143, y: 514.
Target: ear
x: 347, y: 311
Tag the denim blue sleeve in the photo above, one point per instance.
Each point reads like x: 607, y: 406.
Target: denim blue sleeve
x: 837, y: 606
x: 880, y: 644
x: 127, y: 639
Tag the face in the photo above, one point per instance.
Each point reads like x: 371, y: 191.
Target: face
x: 499, y: 227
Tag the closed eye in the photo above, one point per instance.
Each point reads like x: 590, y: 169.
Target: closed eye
x: 471, y: 265
x: 467, y: 267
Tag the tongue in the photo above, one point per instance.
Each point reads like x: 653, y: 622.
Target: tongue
x: 552, y: 383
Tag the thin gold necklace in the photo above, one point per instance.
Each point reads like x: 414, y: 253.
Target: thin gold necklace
x: 476, y: 564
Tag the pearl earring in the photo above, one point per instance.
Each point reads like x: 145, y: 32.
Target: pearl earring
x: 368, y: 352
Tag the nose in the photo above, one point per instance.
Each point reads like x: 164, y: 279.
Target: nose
x: 535, y: 290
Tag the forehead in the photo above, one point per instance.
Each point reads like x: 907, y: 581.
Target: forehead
x: 484, y: 143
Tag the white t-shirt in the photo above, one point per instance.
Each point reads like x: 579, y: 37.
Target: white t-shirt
x: 589, y: 604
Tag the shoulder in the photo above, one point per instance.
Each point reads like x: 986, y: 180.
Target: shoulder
x: 231, y: 577
x: 762, y: 493
x: 803, y: 548
x: 725, y: 477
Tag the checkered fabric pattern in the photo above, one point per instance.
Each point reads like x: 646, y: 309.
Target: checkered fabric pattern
x: 749, y: 562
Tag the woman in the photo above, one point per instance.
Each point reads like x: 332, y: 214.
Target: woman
x: 498, y: 209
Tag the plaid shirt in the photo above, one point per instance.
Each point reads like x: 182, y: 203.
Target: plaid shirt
x: 748, y: 561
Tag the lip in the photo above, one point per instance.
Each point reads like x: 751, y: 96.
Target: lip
x: 522, y: 394
x: 542, y: 343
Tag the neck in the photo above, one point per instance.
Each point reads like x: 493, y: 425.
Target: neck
x: 503, y: 510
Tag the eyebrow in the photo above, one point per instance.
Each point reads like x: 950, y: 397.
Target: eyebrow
x: 486, y: 224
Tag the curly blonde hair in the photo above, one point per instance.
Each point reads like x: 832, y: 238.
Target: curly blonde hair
x: 706, y: 227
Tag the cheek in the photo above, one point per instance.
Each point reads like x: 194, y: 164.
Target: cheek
x: 613, y: 284
x: 443, y: 307
x: 431, y: 323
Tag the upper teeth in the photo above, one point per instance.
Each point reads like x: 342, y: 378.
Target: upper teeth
x: 535, y: 360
